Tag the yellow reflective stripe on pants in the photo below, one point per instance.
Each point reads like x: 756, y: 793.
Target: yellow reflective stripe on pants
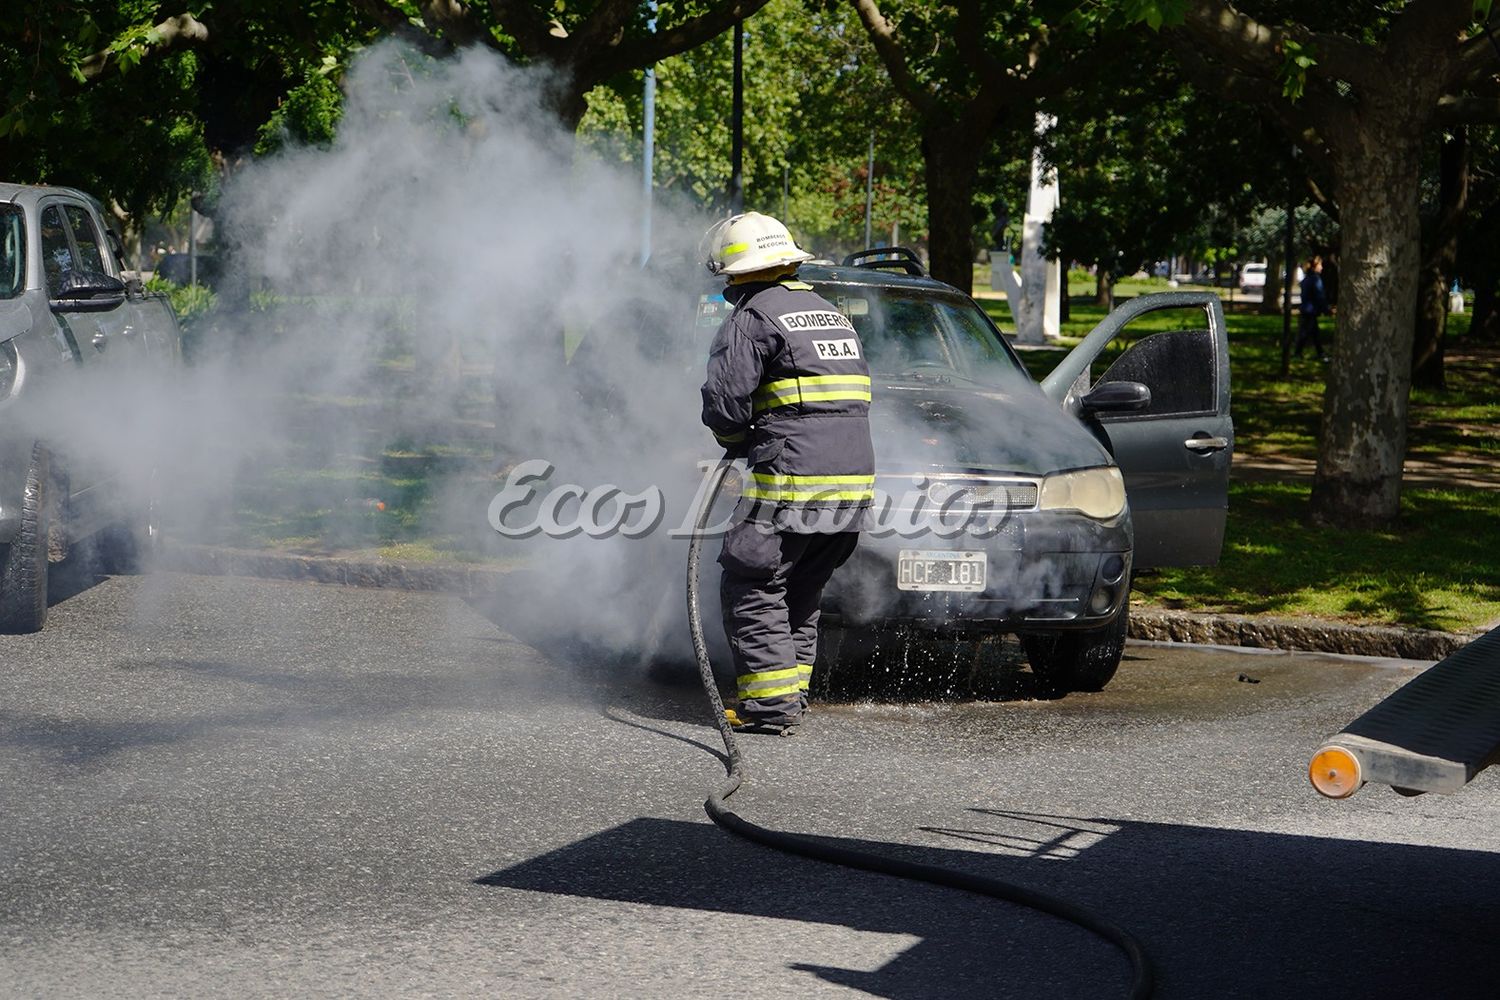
x: 811, y: 389
x: 768, y: 683
x: 804, y: 676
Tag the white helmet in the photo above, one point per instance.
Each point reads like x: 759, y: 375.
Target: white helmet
x: 751, y: 242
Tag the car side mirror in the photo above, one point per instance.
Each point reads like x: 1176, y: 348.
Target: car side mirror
x: 88, y: 291
x: 1116, y: 397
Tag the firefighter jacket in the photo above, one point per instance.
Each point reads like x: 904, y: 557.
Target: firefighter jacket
x: 789, y: 385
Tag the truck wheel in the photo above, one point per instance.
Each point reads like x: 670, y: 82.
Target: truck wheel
x: 130, y: 546
x: 1079, y: 661
x: 23, y: 563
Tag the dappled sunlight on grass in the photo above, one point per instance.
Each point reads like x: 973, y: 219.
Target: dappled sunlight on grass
x: 1437, y: 567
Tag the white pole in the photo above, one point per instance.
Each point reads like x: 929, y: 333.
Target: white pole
x: 648, y: 150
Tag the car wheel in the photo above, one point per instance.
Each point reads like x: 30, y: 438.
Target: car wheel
x: 23, y: 563
x: 1079, y: 661
x: 130, y: 546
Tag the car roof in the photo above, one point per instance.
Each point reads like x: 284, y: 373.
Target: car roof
x: 885, y: 277
x: 33, y: 192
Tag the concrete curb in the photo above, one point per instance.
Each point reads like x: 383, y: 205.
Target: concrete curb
x: 444, y: 578
x: 1306, y: 634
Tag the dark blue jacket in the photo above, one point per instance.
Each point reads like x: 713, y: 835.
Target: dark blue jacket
x: 1314, y: 299
x: 788, y: 383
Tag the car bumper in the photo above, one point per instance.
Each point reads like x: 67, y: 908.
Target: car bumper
x: 1046, y: 571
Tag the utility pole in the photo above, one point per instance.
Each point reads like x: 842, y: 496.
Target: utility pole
x: 870, y: 190
x: 737, y: 125
x: 648, y: 150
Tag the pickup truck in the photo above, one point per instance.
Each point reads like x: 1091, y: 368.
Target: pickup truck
x: 70, y: 323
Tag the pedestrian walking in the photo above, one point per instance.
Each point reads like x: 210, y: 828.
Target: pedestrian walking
x: 1314, y: 304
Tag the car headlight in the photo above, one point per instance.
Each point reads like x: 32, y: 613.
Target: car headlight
x: 10, y: 367
x: 1098, y: 493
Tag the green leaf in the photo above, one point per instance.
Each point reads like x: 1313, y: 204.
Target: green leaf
x: 1482, y: 9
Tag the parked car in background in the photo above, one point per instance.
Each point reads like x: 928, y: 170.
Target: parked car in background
x: 1253, y: 277
x: 65, y: 314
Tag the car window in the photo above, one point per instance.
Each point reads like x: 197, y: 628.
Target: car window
x: 1171, y: 352
x: 57, y: 255
x: 12, y: 252
x: 906, y: 331
x: 86, y: 236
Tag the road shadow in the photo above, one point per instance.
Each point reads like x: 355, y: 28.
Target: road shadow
x: 1223, y: 913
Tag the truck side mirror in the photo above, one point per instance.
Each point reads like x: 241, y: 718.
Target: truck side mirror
x: 88, y: 291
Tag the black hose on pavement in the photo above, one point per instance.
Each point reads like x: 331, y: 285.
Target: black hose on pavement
x: 718, y: 807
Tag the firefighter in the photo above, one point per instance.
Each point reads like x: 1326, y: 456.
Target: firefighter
x: 788, y: 388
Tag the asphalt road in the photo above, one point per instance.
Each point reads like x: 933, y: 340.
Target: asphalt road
x: 223, y: 787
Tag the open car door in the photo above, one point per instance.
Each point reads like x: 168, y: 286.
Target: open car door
x: 1174, y: 452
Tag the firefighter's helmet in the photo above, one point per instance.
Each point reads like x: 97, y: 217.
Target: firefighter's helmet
x: 744, y: 244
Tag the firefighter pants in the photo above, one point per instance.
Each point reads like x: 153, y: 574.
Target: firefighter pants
x: 770, y: 591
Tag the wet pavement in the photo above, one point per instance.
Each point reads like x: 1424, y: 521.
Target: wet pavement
x: 218, y: 787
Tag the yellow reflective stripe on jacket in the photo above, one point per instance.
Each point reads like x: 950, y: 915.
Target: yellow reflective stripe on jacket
x: 738, y: 437
x: 812, y: 389
x: 768, y: 683
x: 797, y: 286
x: 794, y: 489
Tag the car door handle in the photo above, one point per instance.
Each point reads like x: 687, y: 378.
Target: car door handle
x: 1206, y: 444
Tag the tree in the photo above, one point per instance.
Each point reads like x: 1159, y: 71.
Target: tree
x: 1359, y: 97
x: 1143, y: 166
x: 98, y: 95
x: 583, y: 45
x: 814, y: 92
x: 963, y: 67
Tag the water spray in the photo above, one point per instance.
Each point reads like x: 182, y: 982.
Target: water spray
x: 718, y: 809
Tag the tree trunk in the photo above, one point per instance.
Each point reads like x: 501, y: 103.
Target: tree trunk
x: 1484, y: 321
x: 951, y: 160
x: 1363, y: 439
x: 1104, y: 287
x: 1064, y: 314
x: 1432, y: 321
x: 1270, y: 296
x: 1440, y: 253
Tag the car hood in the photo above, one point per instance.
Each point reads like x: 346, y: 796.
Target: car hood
x: 920, y: 424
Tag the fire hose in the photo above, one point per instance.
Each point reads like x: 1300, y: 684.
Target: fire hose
x: 718, y: 809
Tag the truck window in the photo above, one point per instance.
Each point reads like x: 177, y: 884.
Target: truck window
x: 12, y: 251
x: 57, y: 255
x: 86, y: 237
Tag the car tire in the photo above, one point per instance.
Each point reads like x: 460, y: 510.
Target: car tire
x: 128, y: 547
x: 23, y: 563
x: 1079, y: 661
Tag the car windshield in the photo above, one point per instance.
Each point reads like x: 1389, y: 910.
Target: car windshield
x: 917, y: 332
x: 12, y: 252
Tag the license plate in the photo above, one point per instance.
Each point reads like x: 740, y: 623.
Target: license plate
x: 963, y: 571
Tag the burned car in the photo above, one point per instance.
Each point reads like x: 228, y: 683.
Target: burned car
x: 1003, y: 504
x: 74, y: 336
